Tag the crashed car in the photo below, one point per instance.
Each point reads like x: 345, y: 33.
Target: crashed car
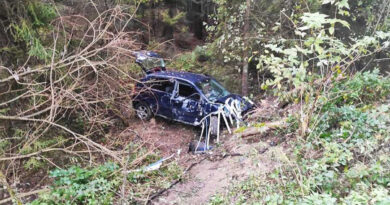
x: 180, y: 96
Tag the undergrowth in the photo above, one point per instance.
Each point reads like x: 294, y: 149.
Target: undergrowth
x: 203, y: 60
x: 105, y: 184
x: 82, y: 186
x: 344, y: 159
x: 340, y: 155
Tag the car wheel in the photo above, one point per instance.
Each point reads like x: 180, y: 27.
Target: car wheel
x: 214, y: 125
x: 143, y: 111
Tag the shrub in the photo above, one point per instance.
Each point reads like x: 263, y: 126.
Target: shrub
x: 82, y: 186
x: 362, y: 88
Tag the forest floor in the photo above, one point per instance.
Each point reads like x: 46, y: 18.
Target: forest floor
x: 231, y: 161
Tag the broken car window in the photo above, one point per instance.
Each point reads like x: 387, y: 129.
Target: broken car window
x: 161, y: 84
x: 188, y: 91
x: 151, y: 62
x: 212, y: 89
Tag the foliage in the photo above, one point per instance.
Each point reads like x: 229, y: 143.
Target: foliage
x: 41, y: 13
x: 52, y: 112
x: 344, y: 161
x: 191, y: 61
x: 82, y: 186
x: 203, y: 60
x: 225, y: 27
x: 99, y: 184
x: 310, y: 49
x: 295, y: 64
x: 32, y: 30
x: 340, y: 156
x: 172, y: 20
x: 362, y: 88
x: 299, y: 29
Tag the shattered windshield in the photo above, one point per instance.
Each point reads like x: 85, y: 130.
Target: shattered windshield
x: 150, y: 63
x: 212, y: 89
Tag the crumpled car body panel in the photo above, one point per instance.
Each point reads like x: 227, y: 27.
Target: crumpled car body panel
x: 176, y: 96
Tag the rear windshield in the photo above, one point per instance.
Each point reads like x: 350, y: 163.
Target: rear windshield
x: 151, y: 62
x: 212, y: 89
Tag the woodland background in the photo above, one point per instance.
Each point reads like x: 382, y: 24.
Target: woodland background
x: 67, y: 73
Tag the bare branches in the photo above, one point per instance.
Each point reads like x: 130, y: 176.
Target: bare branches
x: 74, y: 94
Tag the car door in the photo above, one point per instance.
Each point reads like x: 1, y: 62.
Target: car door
x: 186, y: 103
x: 163, y: 89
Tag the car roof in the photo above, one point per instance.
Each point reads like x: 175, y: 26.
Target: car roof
x: 192, y: 77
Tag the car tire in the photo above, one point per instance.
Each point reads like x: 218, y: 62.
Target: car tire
x: 214, y: 125
x: 143, y: 111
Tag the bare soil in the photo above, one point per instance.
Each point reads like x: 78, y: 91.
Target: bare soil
x: 215, y: 170
x: 167, y: 137
x: 233, y: 160
x: 214, y: 176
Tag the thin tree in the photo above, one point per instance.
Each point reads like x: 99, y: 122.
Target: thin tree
x: 244, y: 78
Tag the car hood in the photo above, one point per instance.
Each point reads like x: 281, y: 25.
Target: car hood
x: 245, y: 104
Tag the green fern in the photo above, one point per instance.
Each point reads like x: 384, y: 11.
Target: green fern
x: 172, y: 20
x: 29, y: 30
x: 34, y: 163
x: 25, y: 33
x: 41, y: 13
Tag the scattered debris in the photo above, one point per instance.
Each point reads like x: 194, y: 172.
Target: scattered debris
x: 197, y: 147
x: 230, y: 110
x: 151, y: 167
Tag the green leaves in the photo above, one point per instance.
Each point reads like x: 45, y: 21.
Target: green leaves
x: 31, y: 31
x: 317, y: 48
x: 41, y: 13
x: 363, y: 88
x: 82, y: 186
x: 313, y: 21
x: 341, y: 4
x: 171, y: 20
x: 318, y: 21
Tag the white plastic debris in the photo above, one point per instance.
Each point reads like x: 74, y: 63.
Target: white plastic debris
x: 151, y: 167
x: 231, y: 109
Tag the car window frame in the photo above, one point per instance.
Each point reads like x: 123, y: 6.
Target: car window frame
x: 177, y: 87
x: 155, y: 79
x: 217, y: 83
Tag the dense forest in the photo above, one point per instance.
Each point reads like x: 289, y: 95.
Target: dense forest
x: 318, y: 71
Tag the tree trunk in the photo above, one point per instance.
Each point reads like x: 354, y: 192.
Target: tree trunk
x: 244, y: 83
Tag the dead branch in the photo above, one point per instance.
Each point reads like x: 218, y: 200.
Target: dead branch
x: 23, y: 195
x: 79, y: 137
x: 263, y: 129
x: 80, y: 82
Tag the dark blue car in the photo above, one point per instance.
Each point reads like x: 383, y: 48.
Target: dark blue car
x: 180, y: 96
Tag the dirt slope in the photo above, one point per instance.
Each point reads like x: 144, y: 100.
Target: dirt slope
x: 213, y: 176
x: 216, y: 170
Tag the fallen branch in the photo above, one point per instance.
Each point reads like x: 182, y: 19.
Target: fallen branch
x: 79, y: 137
x: 159, y: 193
x: 22, y: 195
x: 41, y: 152
x: 263, y: 129
x: 13, y: 195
